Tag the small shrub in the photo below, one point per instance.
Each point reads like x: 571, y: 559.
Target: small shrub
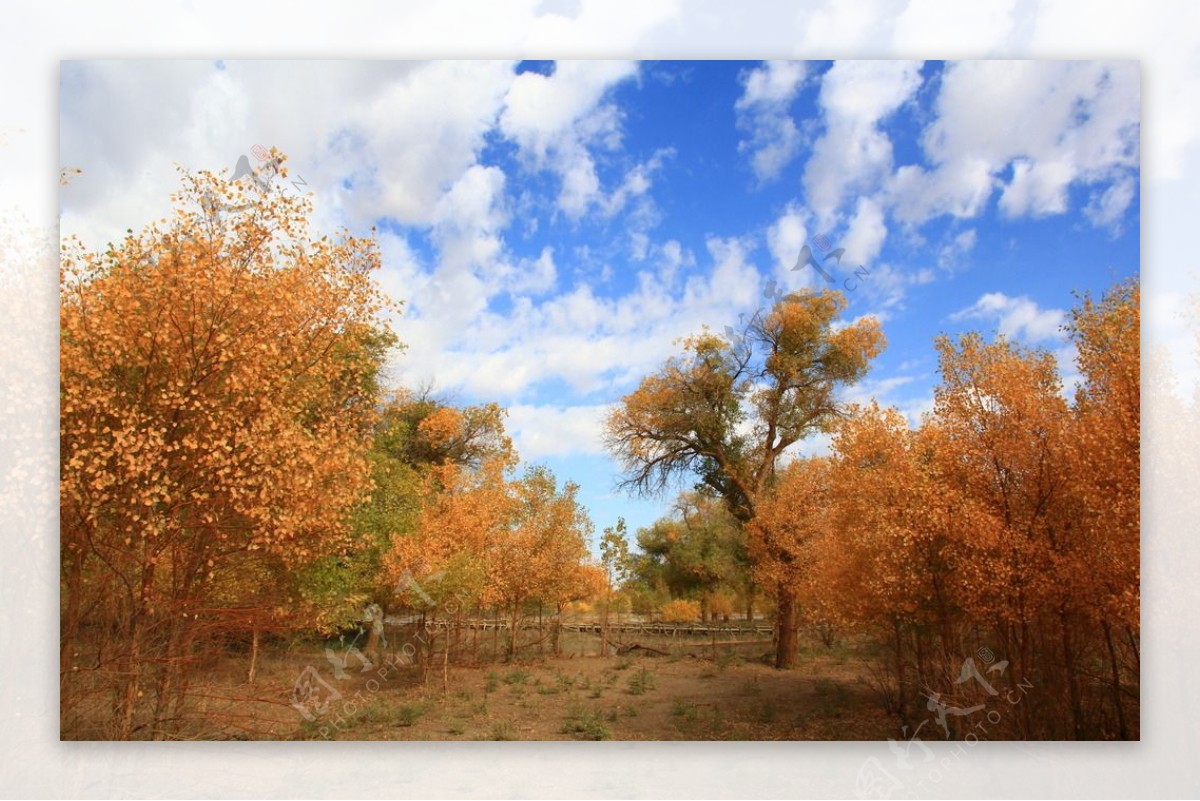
x: 516, y: 676
x: 641, y: 681
x: 586, y: 724
x: 504, y: 731
x: 408, y: 714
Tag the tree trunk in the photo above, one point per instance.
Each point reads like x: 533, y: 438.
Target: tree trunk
x: 253, y: 658
x: 70, y: 631
x: 131, y: 667
x: 898, y: 647
x: 1073, y: 692
x: 512, y: 632
x: 604, y: 628
x: 371, y: 650
x: 1123, y: 729
x: 786, y: 624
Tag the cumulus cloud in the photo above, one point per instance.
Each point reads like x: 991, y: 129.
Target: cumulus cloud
x: 587, y: 341
x: 1016, y: 318
x: 854, y: 154
x: 763, y: 112
x: 558, y: 119
x: 539, y: 431
x: 786, y: 237
x: 1051, y: 124
x: 865, y: 233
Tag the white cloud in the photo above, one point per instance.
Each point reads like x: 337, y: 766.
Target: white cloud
x: 634, y: 188
x: 865, y: 234
x: 1168, y: 42
x: 877, y: 389
x: 786, y: 237
x: 973, y: 29
x: 853, y: 154
x: 960, y: 188
x: 951, y: 255
x: 371, y: 139
x: 589, y: 342
x: 546, y: 430
x: 1105, y: 208
x: 763, y: 111
x: 1016, y: 318
x: 886, y: 285
x: 556, y: 120
x: 1054, y: 123
x: 1037, y: 188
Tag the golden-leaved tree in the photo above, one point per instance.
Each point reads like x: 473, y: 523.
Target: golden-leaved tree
x: 484, y: 539
x: 725, y: 411
x: 1105, y: 464
x: 1005, y: 524
x: 218, y: 388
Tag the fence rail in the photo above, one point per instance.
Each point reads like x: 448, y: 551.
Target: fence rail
x: 662, y: 629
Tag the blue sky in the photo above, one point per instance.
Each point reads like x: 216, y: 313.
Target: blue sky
x: 554, y: 227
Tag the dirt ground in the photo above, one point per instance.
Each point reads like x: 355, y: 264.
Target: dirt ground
x: 691, y: 694
x: 636, y: 697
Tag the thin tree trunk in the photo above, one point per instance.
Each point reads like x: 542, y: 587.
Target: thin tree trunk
x: 1135, y: 649
x: 253, y: 657
x: 1123, y: 730
x: 69, y: 633
x: 786, y: 625
x: 166, y: 682
x: 446, y: 668
x: 131, y: 668
x: 512, y: 633
x: 1072, y: 679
